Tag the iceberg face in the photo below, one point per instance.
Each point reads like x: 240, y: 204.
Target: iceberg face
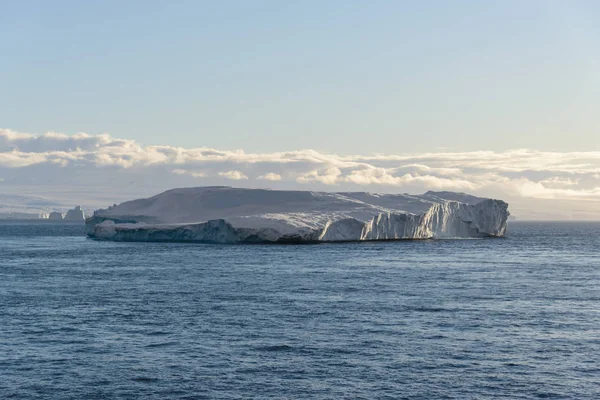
x: 231, y: 215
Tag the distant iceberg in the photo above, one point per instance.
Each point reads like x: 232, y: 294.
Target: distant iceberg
x: 76, y: 214
x: 233, y: 215
x: 55, y: 216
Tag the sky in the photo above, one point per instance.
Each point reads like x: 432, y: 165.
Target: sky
x: 109, y: 99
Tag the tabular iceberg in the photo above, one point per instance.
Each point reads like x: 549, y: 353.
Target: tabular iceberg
x: 234, y: 215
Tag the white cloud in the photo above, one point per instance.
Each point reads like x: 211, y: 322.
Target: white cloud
x: 270, y: 176
x: 84, y: 159
x: 195, y: 174
x: 328, y: 176
x: 538, y: 190
x: 235, y: 175
x: 558, y: 182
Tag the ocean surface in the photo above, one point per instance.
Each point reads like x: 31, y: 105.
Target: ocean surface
x: 517, y: 317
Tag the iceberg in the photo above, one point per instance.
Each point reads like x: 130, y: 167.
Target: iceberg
x: 55, y: 216
x: 235, y: 215
x: 75, y: 214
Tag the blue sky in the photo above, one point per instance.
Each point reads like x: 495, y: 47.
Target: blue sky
x: 337, y: 76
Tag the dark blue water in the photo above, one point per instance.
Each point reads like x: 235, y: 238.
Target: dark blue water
x: 499, y: 318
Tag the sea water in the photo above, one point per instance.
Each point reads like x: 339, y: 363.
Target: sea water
x: 516, y: 317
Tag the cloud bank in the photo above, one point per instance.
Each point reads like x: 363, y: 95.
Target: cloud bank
x: 91, y: 163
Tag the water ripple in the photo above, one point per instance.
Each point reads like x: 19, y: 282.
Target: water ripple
x: 486, y: 319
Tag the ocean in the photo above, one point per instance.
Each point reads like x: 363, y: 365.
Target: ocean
x: 515, y: 317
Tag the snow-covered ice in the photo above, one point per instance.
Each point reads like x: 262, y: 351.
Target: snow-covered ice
x: 233, y: 215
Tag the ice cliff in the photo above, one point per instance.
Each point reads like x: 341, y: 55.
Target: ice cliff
x: 232, y: 215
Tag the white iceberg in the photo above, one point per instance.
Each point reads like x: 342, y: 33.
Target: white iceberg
x: 55, y: 216
x: 233, y: 215
x: 75, y: 214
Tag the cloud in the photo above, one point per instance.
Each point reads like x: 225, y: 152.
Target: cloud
x: 235, y: 175
x: 328, y: 176
x: 270, y: 176
x: 195, y: 174
x: 82, y: 159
